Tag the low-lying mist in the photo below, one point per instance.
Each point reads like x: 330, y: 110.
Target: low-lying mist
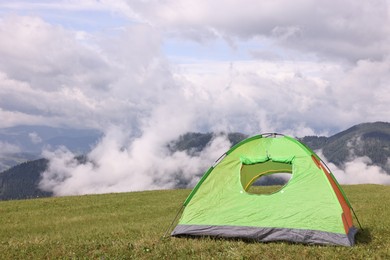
x: 119, y: 163
x: 143, y: 163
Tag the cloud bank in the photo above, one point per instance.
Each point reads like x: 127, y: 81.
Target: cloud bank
x: 117, y: 165
x: 332, y: 28
x: 282, y: 71
x: 155, y: 70
x: 7, y: 148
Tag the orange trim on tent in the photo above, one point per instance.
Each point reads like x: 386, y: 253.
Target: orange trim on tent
x: 346, y: 216
x: 316, y: 161
x: 345, y: 222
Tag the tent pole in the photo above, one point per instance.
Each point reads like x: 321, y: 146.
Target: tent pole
x: 357, y: 219
x: 173, y: 221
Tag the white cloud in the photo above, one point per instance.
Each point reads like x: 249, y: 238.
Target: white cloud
x: 292, y: 97
x: 82, y: 78
x: 42, y: 7
x: 337, y: 28
x: 358, y: 170
x: 118, y: 164
x: 47, y: 56
x: 55, y: 79
x: 8, y: 148
x: 35, y: 138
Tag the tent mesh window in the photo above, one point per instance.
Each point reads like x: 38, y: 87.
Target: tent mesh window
x: 266, y: 177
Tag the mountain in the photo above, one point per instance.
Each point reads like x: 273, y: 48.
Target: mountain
x: 21, y: 182
x: 23, y: 143
x: 195, y: 142
x: 368, y: 139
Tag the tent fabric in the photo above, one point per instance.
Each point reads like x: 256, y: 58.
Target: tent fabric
x: 310, y: 208
x: 269, y: 234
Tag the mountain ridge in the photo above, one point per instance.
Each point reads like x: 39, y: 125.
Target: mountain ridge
x: 26, y: 142
x: 371, y: 140
x: 366, y: 139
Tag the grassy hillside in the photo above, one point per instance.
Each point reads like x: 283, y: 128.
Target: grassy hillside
x: 130, y: 225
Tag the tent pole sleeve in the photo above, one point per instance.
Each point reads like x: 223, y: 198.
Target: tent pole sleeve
x: 197, y: 186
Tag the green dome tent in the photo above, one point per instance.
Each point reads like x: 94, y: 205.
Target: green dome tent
x: 310, y: 208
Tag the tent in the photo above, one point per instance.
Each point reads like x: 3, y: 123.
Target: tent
x: 310, y: 208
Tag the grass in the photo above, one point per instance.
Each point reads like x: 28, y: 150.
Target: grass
x: 130, y: 226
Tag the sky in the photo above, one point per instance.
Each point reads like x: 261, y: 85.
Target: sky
x: 148, y: 71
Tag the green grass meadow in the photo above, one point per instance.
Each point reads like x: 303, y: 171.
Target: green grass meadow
x: 131, y: 225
